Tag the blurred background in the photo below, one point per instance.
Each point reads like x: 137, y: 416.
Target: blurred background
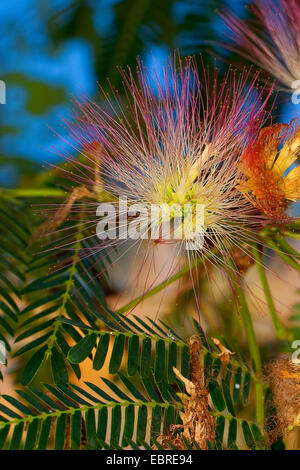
x: 50, y: 50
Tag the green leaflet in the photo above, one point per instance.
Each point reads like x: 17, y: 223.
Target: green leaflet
x: 216, y: 395
x: 101, y: 351
x: 82, y: 349
x: 59, y: 368
x: 33, y: 365
x: 117, y: 354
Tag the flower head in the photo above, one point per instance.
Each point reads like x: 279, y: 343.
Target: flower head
x: 177, y: 146
x: 266, y: 163
x: 278, y: 52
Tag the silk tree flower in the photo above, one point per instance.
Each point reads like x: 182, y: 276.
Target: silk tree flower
x: 277, y: 48
x: 176, y: 145
x: 272, y: 179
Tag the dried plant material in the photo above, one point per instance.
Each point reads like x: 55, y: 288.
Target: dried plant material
x: 198, y: 425
x: 54, y: 221
x: 225, y: 353
x: 284, y: 378
x: 93, y: 153
x: 242, y: 260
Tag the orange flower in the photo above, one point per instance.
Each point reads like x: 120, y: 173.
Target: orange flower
x: 265, y: 163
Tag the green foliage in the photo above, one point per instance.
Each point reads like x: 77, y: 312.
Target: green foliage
x: 66, y: 321
x: 68, y: 305
x: 14, y: 236
x: 132, y: 340
x: 90, y: 415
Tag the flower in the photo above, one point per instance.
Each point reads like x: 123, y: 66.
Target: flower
x: 278, y: 52
x: 177, y: 147
x: 266, y: 162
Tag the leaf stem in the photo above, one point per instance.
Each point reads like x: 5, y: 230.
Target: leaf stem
x: 289, y: 234
x: 287, y: 258
x: 254, y: 353
x: 286, y: 247
x: 160, y: 287
x: 33, y: 192
x: 68, y: 286
x: 281, y: 331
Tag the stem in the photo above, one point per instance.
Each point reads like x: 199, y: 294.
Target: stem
x: 288, y: 234
x: 281, y: 332
x: 294, y: 225
x: 287, y: 248
x: 158, y: 288
x: 254, y: 353
x: 68, y: 286
x: 33, y: 192
x: 288, y: 259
